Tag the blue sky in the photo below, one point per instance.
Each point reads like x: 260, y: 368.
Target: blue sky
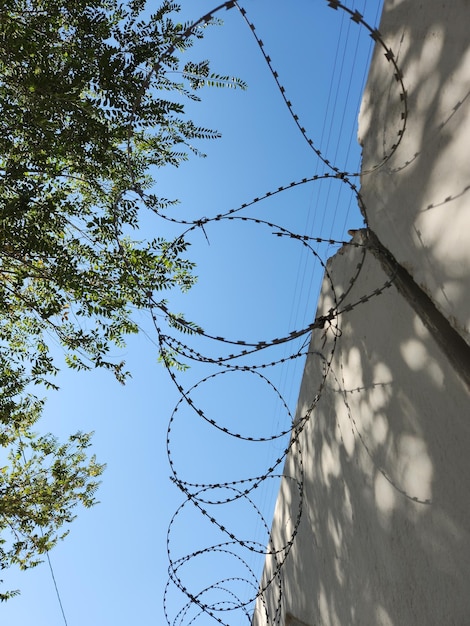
x: 112, y: 569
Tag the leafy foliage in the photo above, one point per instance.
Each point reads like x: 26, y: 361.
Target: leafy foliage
x: 41, y: 481
x: 87, y: 110
x: 80, y: 126
x: 39, y: 488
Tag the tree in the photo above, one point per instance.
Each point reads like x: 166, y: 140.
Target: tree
x: 41, y: 481
x: 88, y: 109
x: 39, y: 489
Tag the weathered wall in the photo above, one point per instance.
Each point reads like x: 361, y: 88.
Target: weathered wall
x: 417, y: 202
x: 384, y: 537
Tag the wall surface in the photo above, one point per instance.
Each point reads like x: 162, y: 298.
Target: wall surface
x: 381, y: 467
x: 417, y: 202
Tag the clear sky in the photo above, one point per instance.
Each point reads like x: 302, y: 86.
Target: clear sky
x: 253, y: 285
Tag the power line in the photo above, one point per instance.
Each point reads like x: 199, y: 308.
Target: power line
x: 56, y: 589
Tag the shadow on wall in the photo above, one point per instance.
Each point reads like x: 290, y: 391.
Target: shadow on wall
x: 385, y: 533
x: 417, y: 202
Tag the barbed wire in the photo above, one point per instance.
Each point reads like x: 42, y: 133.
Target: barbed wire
x: 341, y: 389
x: 225, y: 596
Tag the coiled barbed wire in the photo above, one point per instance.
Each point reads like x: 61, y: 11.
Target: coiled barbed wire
x: 221, y: 598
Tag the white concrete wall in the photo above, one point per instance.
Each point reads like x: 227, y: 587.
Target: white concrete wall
x: 384, y: 537
x: 418, y: 202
